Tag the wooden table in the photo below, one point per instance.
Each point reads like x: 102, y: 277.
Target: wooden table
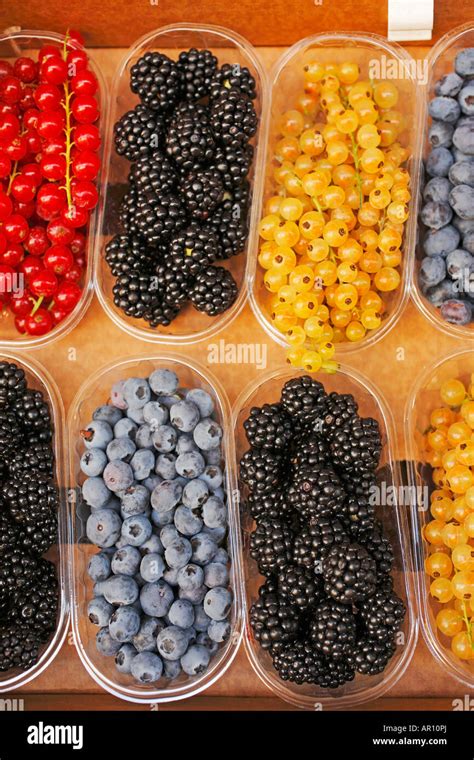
x: 97, y: 341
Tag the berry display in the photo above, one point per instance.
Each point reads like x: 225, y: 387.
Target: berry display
x: 446, y: 261
x: 187, y: 203
x: 327, y: 609
x: 331, y: 249
x: 29, y: 502
x: 153, y: 493
x: 49, y: 168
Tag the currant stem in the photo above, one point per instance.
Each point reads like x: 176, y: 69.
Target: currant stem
x: 13, y: 174
x: 37, y: 305
x: 68, y: 130
x: 468, y: 624
x: 355, y: 153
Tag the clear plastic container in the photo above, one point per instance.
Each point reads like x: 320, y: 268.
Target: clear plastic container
x: 38, y: 378
x: 267, y: 389
x: 94, y: 392
x: 373, y: 54
x: 190, y: 325
x: 25, y: 42
x: 424, y: 397
x: 440, y: 61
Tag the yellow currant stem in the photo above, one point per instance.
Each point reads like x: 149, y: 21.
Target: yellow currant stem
x: 382, y: 220
x: 51, y: 305
x: 355, y: 153
x: 13, y: 174
x: 317, y: 204
x: 68, y: 131
x: 37, y: 305
x: 468, y: 624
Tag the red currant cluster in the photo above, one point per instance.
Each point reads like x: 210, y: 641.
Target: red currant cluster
x: 49, y: 164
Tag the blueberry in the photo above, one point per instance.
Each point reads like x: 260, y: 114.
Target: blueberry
x: 213, y: 456
x: 156, y: 598
x: 152, y: 546
x: 440, y: 293
x: 168, y: 534
x: 432, y: 270
x: 201, y: 619
x: 441, y: 242
x: 195, y: 596
x: 126, y: 428
x: 121, y: 449
x: 172, y: 669
x: 203, y: 639
x: 212, y: 476
x: 95, y: 493
x: 155, y: 414
x: 143, y: 437
x: 195, y: 494
x: 466, y: 99
x: 163, y: 382
x: 124, y: 624
x: 220, y: 493
x: 142, y: 464
x: 98, y: 567
x: 126, y: 561
x: 463, y: 225
x: 439, y: 162
x: 464, y: 62
x: 468, y: 242
x: 165, y: 466
x: 106, y: 645
x: 217, y: 534
x: 152, y: 482
x: 135, y: 500
x: 462, y: 173
x: 160, y: 519
x: 166, y: 496
x: 440, y: 134
x: 136, y: 529
x: 190, y: 465
x: 181, y: 613
x: 207, y: 434
x: 171, y: 577
x: 461, y: 198
x: 214, y: 513
x: 152, y: 567
x: 216, y: 574
x: 103, y: 527
x: 120, y: 589
x: 185, y: 444
x: 456, y: 311
x: 449, y: 85
x: 145, y: 639
x: 187, y: 522
x: 219, y: 631
x: 107, y: 413
x: 124, y: 658
x: 169, y: 401
x: 204, y: 549
x: 463, y: 138
x: 164, y: 438
x: 458, y: 262
x: 136, y: 415
x: 178, y: 553
x: 221, y: 556
x: 136, y: 392
x: 444, y: 108
x: 202, y: 400
x: 196, y: 660
x: 93, y: 462
x: 99, y: 611
x: 172, y: 643
x: 146, y: 667
x: 436, y: 215
x: 437, y: 190
x: 218, y: 602
x: 117, y: 395
x: 190, y: 577
x: 97, y: 435
x: 118, y: 476
x: 184, y: 415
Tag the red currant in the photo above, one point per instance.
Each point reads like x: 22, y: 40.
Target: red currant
x: 75, y: 39
x: 53, y: 167
x: 85, y: 195
x: 57, y: 314
x: 6, y: 206
x: 87, y: 137
x: 9, y: 126
x: 6, y: 108
x: 30, y: 118
x: 53, y: 70
x: 3, y: 243
x: 76, y: 61
x: 27, y: 99
x: 33, y: 172
x: 33, y: 142
x: 48, y: 97
x: 23, y: 188
x: 74, y: 216
x: 5, y: 166
x: 37, y: 241
x: 74, y: 274
x: 78, y: 244
x: 17, y: 148
x: 21, y: 304
x: 30, y: 266
x: 13, y: 255
x: 39, y: 323
x: 59, y: 259
x: 54, y: 147
x: 20, y: 324
x: 84, y: 109
x: 10, y: 89
x: 15, y: 228
x: 24, y: 209
x: 6, y: 69
x: 47, y: 52
x: 25, y: 69
x: 59, y: 233
x: 50, y: 124
x: 84, y: 83
x: 51, y: 198
x: 44, y: 284
x: 86, y: 165
x: 68, y: 296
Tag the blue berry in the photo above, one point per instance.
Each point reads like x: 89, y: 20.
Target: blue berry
x: 152, y: 546
x: 93, y: 462
x: 436, y: 215
x: 190, y: 465
x: 120, y: 589
x: 152, y: 567
x: 171, y: 577
x: 136, y: 415
x: 184, y: 415
x: 440, y: 134
x: 463, y: 138
x: 147, y: 667
x: 432, y: 271
x: 216, y: 574
x: 126, y: 561
x: 160, y: 519
x: 95, y: 493
x: 135, y: 500
x: 212, y: 476
x: 219, y: 631
x: 178, y: 553
x: 213, y: 456
x: 136, y: 530
x: 458, y: 262
x: 172, y: 643
x: 439, y: 162
x: 117, y: 397
x: 217, y: 535
x: 168, y: 534
x: 155, y: 414
x: 195, y: 596
x: 136, y: 392
x: 204, y: 549
x: 195, y: 493
x: 214, y: 513
x: 461, y: 198
x: 121, y: 449
x: 143, y: 437
x: 98, y: 567
x: 145, y: 639
x: 203, y: 639
x: 456, y: 311
x: 462, y: 173
x: 126, y: 428
x: 163, y: 382
x: 202, y: 400
x: 106, y: 645
x: 201, y: 619
x: 190, y: 577
x: 181, y: 613
x: 103, y: 527
x: 97, y: 435
x: 218, y: 603
x: 152, y: 482
x: 449, y: 85
x: 185, y: 444
x: 463, y: 225
x: 444, y: 108
x: 99, y: 611
x: 107, y: 413
x: 187, y: 522
x: 221, y: 556
x: 124, y: 624
x: 437, y: 190
x: 441, y: 242
x: 124, y: 658
x: 440, y: 293
x: 468, y: 242
x: 142, y: 464
x: 156, y: 598
x: 164, y: 438
x: 166, y: 496
x: 196, y: 660
x: 172, y: 669
x: 118, y: 476
x: 207, y: 434
x: 464, y: 62
x: 166, y: 466
x: 466, y: 100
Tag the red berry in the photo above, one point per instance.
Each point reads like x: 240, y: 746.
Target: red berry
x: 57, y: 314
x: 85, y: 195
x: 84, y: 109
x: 6, y: 69
x: 5, y: 166
x: 59, y: 259
x: 9, y: 126
x: 74, y: 274
x: 10, y: 90
x: 59, y: 233
x: 3, y: 244
x: 23, y: 188
x: 25, y: 69
x: 84, y: 83
x: 24, y: 209
x: 16, y: 149
x: 76, y: 61
x: 81, y: 261
x: 6, y: 206
x: 33, y: 172
x: 54, y: 147
x: 33, y: 142
x: 87, y: 137
x: 53, y: 70
x: 48, y: 97
x: 53, y: 167
x: 30, y: 118
x: 39, y: 323
x: 45, y: 284
x: 13, y: 255
x: 21, y: 304
x: 78, y: 244
x: 20, y: 324
x: 6, y: 108
x: 68, y: 296
x: 37, y: 241
x: 50, y: 124
x: 74, y: 216
x: 86, y: 165
x: 75, y: 39
x: 47, y: 52
x: 15, y: 228
x: 27, y: 99
x: 51, y: 198
x: 30, y: 266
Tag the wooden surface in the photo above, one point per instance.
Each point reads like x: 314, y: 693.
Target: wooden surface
x: 392, y: 365
x: 262, y: 22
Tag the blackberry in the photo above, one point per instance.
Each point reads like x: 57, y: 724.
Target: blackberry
x: 335, y: 673
x: 10, y: 433
x: 273, y: 622
x: 317, y: 492
x: 19, y: 647
x: 333, y: 630
x: 356, y: 447
x: 124, y: 254
x: 298, y: 662
x: 158, y: 217
x: 18, y: 571
x: 271, y: 545
x: 235, y: 77
x: 261, y: 470
x: 359, y: 514
x: 302, y: 397
x: 233, y: 164
x: 154, y: 174
x: 174, y: 284
x: 337, y: 409
x: 379, y: 548
x: 198, y: 69
x: 229, y: 222
x: 193, y: 249
x: 315, y: 540
x: 307, y: 454
x: 38, y: 458
x: 127, y: 210
x: 268, y: 427
x: 137, y: 296
x: 382, y: 615
x: 271, y: 504
x: 214, y: 291
x: 12, y: 383
x: 349, y: 574
x: 156, y: 79
x: 32, y: 501
x: 202, y: 192
x: 300, y: 587
x: 10, y: 532
x: 138, y: 133
x: 233, y: 118
x: 37, y: 606
x: 189, y: 141
x: 372, y: 657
